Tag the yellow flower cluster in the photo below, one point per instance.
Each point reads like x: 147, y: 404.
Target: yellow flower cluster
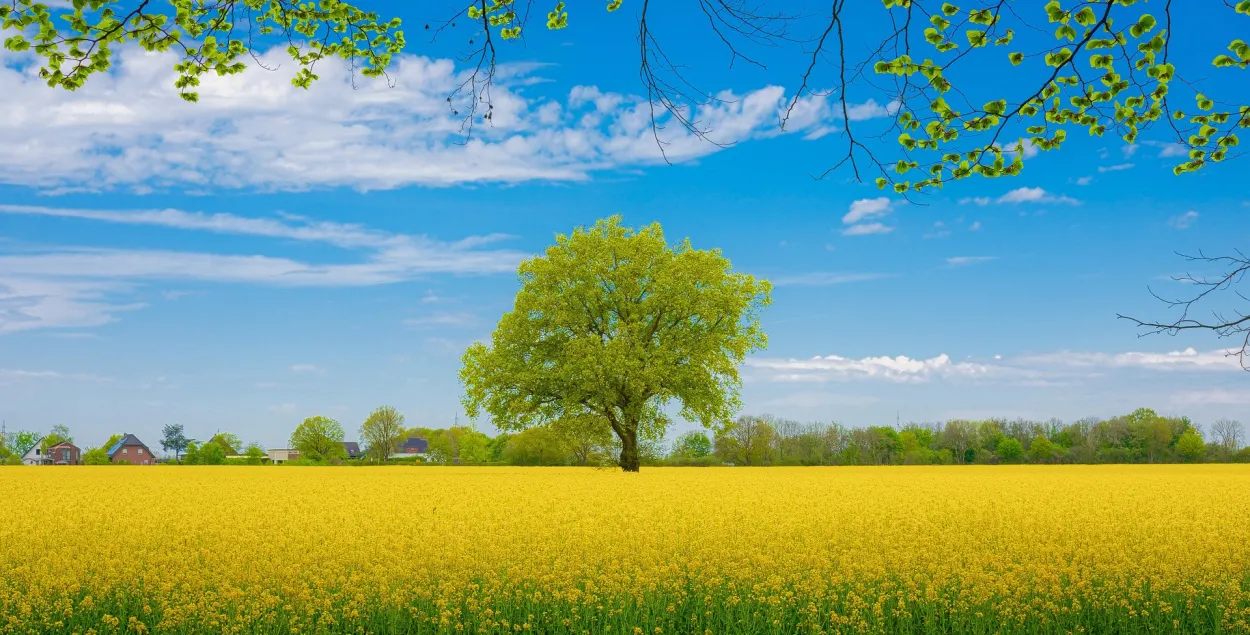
x: 1037, y: 549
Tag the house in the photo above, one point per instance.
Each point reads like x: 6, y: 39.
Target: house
x: 412, y: 446
x: 282, y: 455
x: 131, y: 450
x: 64, y: 453
x: 35, y: 455
x: 352, y: 448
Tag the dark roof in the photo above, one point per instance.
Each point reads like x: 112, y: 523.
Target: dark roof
x: 353, y: 449
x: 415, y: 443
x: 128, y: 439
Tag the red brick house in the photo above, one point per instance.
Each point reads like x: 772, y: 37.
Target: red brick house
x: 131, y: 450
x: 64, y: 453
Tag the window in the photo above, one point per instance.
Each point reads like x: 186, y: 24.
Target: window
x: 125, y: 450
x: 140, y: 451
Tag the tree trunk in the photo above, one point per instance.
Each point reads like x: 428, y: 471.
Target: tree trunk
x: 630, y: 461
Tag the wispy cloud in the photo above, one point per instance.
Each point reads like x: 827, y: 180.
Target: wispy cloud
x: 958, y: 261
x: 1184, y: 221
x: 824, y: 278
x: 837, y: 368
x: 16, y: 373
x: 1084, y: 180
x: 71, y: 286
x: 1119, y: 167
x: 307, y: 369
x: 1168, y: 150
x: 443, y: 319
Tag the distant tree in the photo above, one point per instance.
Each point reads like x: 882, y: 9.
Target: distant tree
x: 746, y: 441
x: 382, y: 432
x: 692, y: 445
x: 95, y: 456
x: 58, y: 434
x: 113, y: 439
x: 5, y: 452
x: 536, y: 446
x: 958, y: 435
x: 1227, y: 433
x: 22, y: 441
x: 192, y: 454
x: 212, y: 453
x: 495, y: 447
x: 1191, y: 447
x: 473, y: 447
x: 255, y: 454
x: 229, y: 442
x: 319, y: 439
x: 1043, y: 450
x: 913, y: 453
x: 588, y: 437
x: 174, y: 439
x: 615, y: 323
x: 1009, y: 449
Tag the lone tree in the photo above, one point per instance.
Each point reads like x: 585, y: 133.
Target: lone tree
x: 382, y: 433
x: 319, y: 439
x: 174, y: 439
x: 615, y: 325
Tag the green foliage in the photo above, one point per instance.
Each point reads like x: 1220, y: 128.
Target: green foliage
x: 77, y: 42
x: 1043, y: 450
x: 174, y: 439
x: 95, y: 456
x: 58, y: 434
x: 692, y: 445
x: 614, y: 324
x: 12, y: 459
x: 1191, y: 446
x: 229, y: 443
x: 382, y: 432
x: 319, y: 439
x: 1010, y: 450
x: 21, y: 441
x: 112, y: 440
x: 255, y: 454
x: 536, y: 446
x: 211, y: 453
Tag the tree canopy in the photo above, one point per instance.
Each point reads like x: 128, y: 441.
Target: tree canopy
x: 319, y: 439
x: 174, y: 439
x: 382, y: 433
x: 614, y: 324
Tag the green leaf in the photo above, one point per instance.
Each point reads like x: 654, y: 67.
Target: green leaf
x: 1016, y: 58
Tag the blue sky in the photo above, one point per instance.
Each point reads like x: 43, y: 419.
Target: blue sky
x: 270, y: 254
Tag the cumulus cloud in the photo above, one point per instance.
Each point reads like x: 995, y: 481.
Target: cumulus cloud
x: 128, y: 128
x: 867, y: 209
x: 1035, y: 195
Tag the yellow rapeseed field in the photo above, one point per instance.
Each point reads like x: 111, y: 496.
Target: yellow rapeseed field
x: 1064, y: 549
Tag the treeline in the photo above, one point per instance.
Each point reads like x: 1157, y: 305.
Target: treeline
x: 1142, y: 436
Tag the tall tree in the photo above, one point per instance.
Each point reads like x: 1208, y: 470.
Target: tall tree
x: 614, y: 323
x: 382, y: 433
x: 174, y: 439
x: 229, y: 442
x: 319, y: 439
x: 21, y: 441
x: 58, y: 434
x: 1228, y: 434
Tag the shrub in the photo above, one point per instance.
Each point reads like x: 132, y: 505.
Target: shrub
x: 1010, y: 450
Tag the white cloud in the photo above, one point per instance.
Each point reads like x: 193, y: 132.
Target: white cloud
x: 1184, y: 220
x: 976, y: 200
x: 975, y: 226
x: 867, y: 229
x: 1035, y: 195
x: 1186, y: 360
x: 1129, y: 150
x: 957, y: 261
x: 1168, y: 150
x: 443, y: 319
x: 15, y: 373
x: 1050, y: 369
x: 866, y: 208
x: 128, y: 128
x: 1084, y: 180
x: 1119, y: 167
x: 1213, y: 396
x: 834, y: 367
x: 824, y: 278
x: 307, y: 369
